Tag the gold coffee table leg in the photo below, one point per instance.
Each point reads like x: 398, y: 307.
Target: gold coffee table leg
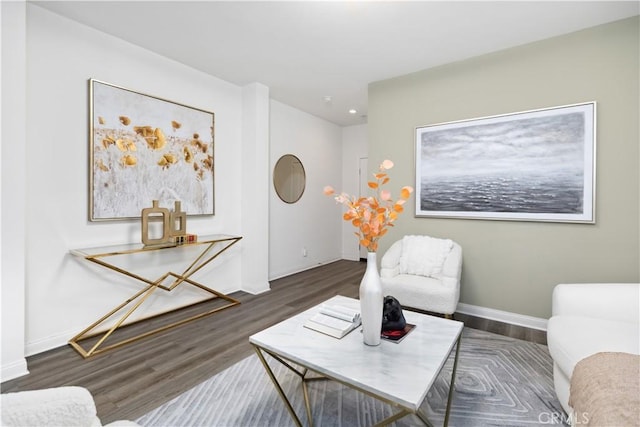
x: 401, y: 414
x: 279, y: 389
x: 452, y: 384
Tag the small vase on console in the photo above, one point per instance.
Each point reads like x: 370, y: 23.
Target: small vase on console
x: 371, y: 302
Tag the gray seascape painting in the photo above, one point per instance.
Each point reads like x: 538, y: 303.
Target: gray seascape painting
x: 513, y: 167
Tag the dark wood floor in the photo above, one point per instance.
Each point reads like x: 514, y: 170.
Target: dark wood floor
x: 132, y: 380
x: 129, y: 381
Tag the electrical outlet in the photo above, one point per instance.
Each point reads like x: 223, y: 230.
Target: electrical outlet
x: 304, y: 252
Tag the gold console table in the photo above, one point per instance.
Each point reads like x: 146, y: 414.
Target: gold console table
x: 212, y: 246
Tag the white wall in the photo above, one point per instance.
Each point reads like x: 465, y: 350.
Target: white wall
x: 597, y: 64
x: 64, y: 294
x: 314, y: 221
x: 354, y: 147
x: 48, y: 295
x: 255, y: 187
x: 12, y: 169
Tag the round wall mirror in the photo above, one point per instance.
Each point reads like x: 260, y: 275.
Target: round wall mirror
x: 289, y: 178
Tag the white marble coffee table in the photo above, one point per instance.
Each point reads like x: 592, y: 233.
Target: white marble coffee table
x: 400, y: 374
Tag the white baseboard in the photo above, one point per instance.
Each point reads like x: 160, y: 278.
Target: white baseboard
x: 503, y: 316
x: 255, y: 289
x: 48, y: 343
x: 281, y: 274
x: 14, y: 369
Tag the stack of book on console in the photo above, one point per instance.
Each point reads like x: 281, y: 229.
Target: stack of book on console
x: 334, y: 320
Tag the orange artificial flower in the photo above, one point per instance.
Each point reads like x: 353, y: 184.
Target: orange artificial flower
x: 372, y: 215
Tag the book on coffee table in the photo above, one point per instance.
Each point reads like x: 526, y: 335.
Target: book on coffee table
x: 398, y: 335
x: 336, y: 321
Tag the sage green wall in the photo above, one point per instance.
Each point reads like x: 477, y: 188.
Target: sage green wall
x: 513, y: 265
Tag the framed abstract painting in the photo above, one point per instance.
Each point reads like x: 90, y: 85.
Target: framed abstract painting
x: 145, y: 148
x: 536, y: 165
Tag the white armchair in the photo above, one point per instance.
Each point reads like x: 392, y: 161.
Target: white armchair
x: 590, y: 318
x: 53, y: 407
x: 423, y: 272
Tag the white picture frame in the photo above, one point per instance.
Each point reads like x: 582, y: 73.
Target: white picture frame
x: 536, y: 165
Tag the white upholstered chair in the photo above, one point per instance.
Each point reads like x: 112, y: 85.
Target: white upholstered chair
x: 423, y: 272
x: 53, y: 407
x: 590, y: 318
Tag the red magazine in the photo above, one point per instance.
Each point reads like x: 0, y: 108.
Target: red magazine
x: 398, y: 335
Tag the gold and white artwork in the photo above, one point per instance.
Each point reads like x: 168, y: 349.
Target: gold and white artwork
x: 145, y: 148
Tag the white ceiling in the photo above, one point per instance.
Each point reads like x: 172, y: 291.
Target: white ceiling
x: 305, y: 51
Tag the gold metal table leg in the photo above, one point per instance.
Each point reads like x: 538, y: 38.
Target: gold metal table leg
x: 452, y: 384
x: 139, y: 297
x: 403, y: 411
x: 283, y: 396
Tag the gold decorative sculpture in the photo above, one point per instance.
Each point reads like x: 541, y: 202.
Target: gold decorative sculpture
x: 178, y: 221
x: 174, y: 225
x: 153, y: 214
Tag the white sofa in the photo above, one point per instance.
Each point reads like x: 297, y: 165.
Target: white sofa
x: 589, y: 319
x: 423, y: 272
x: 53, y: 407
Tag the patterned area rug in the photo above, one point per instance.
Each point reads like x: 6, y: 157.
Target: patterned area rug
x: 500, y: 381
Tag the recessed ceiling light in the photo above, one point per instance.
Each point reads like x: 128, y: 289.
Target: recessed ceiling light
x: 353, y: 111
